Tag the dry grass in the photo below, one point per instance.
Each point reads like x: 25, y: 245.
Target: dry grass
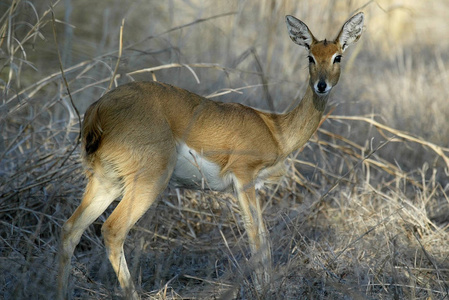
x: 362, y: 213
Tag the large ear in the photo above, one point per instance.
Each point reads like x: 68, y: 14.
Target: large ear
x: 299, y: 32
x: 351, y: 31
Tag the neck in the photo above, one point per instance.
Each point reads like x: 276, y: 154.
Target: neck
x: 294, y: 128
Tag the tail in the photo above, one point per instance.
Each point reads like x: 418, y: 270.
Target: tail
x: 92, y: 131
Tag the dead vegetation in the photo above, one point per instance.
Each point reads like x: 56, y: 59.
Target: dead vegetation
x: 362, y: 213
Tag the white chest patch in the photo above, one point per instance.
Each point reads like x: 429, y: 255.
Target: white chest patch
x: 194, y: 171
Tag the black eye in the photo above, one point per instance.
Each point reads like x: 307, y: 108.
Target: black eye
x: 337, y: 59
x: 311, y: 60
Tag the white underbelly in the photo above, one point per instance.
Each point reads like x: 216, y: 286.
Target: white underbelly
x: 194, y: 171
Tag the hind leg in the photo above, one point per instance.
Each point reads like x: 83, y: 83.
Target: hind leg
x: 98, y: 196
x: 141, y: 190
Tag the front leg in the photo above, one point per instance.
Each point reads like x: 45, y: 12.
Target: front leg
x: 256, y: 230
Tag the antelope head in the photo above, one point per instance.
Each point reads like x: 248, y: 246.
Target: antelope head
x: 325, y: 56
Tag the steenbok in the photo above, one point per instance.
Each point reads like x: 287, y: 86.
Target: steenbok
x: 142, y: 136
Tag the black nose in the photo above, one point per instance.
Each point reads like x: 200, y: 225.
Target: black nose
x: 321, y: 86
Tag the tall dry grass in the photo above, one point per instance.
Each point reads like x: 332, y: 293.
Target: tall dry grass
x: 362, y: 213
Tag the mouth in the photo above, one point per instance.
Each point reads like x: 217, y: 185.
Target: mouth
x: 322, y: 93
